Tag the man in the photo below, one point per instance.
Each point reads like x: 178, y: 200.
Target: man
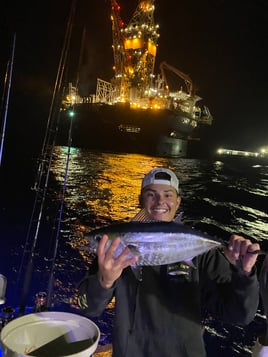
x: 161, y: 314
x: 260, y: 348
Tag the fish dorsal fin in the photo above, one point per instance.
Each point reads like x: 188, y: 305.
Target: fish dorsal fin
x: 142, y: 216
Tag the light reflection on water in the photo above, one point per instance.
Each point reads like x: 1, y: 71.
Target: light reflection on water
x: 107, y: 185
x: 103, y: 188
x: 103, y: 185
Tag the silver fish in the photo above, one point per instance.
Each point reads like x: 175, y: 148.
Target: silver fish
x: 156, y: 243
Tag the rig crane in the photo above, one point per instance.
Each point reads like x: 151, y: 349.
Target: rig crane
x: 185, y: 77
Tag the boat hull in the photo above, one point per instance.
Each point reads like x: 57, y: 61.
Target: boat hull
x: 117, y: 128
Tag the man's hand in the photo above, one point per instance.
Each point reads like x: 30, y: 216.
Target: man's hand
x: 110, y: 268
x: 240, y: 248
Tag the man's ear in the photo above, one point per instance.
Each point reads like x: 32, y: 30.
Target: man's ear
x: 178, y: 201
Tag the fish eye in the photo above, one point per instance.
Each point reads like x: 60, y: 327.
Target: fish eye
x: 97, y: 238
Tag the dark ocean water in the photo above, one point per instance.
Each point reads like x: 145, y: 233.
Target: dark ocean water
x: 101, y: 188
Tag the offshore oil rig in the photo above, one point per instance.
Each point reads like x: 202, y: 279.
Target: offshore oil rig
x: 137, y: 111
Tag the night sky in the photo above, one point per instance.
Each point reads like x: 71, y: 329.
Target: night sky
x: 221, y: 45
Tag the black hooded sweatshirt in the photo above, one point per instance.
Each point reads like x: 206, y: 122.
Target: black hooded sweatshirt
x: 161, y: 315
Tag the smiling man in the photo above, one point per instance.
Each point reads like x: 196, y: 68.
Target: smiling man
x: 160, y: 314
x: 160, y: 194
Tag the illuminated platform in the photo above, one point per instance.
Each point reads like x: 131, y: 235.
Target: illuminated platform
x: 258, y: 157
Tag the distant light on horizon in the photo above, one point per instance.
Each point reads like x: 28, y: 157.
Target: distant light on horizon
x: 264, y: 150
x: 232, y: 152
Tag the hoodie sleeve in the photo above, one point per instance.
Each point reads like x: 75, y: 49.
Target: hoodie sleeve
x: 92, y: 297
x: 227, y: 292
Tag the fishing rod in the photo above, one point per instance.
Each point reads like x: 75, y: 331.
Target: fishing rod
x: 55, y: 251
x: 44, y: 167
x: 57, y: 237
x: 6, y: 94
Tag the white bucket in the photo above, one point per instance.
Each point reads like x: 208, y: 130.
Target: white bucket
x: 50, y: 334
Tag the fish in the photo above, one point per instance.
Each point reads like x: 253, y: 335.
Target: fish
x: 155, y: 243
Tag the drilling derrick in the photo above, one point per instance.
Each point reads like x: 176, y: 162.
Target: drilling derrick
x: 120, y: 78
x: 134, y: 48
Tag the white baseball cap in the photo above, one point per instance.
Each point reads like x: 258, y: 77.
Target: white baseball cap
x: 161, y: 176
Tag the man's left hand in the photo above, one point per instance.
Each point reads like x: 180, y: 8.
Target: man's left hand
x: 240, y: 248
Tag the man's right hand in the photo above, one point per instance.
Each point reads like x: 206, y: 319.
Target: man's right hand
x: 110, y: 268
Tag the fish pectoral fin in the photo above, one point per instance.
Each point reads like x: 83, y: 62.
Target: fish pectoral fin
x: 136, y: 269
x: 134, y: 250
x: 190, y: 263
